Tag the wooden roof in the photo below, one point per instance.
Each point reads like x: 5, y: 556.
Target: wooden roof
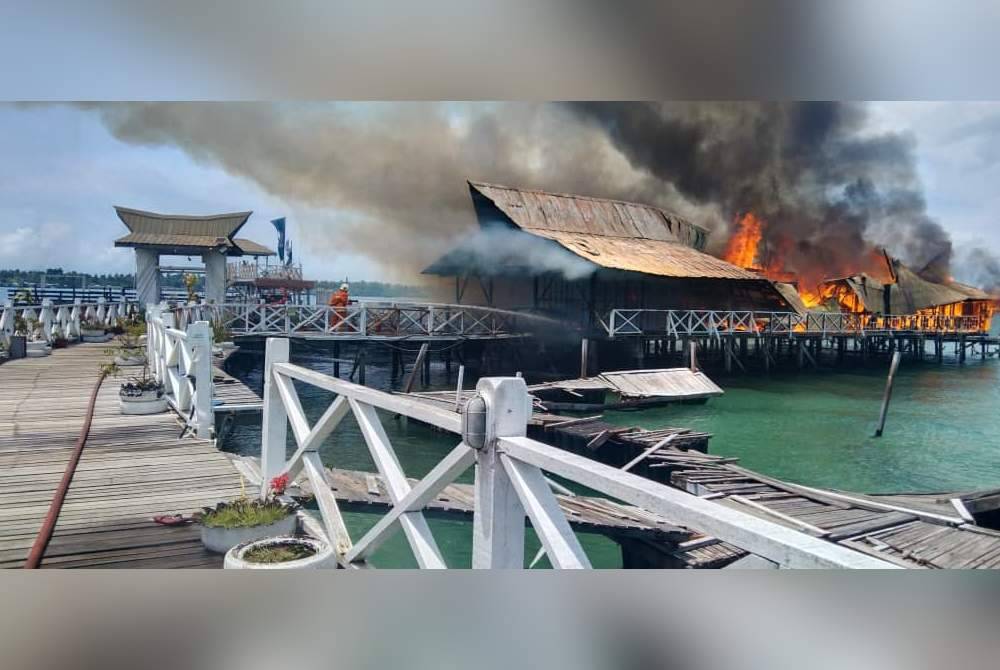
x: 535, y: 211
x: 608, y: 233
x: 251, y: 248
x: 212, y: 225
x: 176, y: 233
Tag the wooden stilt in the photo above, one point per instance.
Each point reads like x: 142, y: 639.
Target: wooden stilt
x: 888, y: 393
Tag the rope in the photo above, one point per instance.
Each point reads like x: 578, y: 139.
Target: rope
x: 52, y: 516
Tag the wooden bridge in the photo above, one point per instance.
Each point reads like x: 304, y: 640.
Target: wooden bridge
x: 135, y: 466
x: 364, y: 321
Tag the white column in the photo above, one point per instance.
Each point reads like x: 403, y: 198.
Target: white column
x: 147, y: 276
x: 274, y: 431
x: 215, y: 277
x: 199, y: 336
x: 498, y: 523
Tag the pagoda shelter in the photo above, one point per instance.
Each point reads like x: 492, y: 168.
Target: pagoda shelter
x: 212, y: 237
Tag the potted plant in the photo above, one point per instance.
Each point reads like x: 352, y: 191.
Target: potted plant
x: 129, y: 352
x: 60, y: 342
x: 36, y: 346
x: 222, y: 337
x: 91, y: 330
x: 281, y: 553
x: 245, y: 519
x: 142, y: 394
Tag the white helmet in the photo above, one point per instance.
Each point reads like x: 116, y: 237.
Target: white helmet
x: 343, y: 287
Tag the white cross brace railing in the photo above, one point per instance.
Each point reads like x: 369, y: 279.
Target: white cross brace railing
x: 181, y: 360
x: 49, y: 321
x: 509, y: 480
x: 368, y: 319
x: 690, y: 323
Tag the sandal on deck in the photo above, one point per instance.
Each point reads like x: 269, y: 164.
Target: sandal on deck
x: 172, y: 519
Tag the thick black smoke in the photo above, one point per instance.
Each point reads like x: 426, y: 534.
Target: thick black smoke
x: 388, y: 180
x: 826, y: 189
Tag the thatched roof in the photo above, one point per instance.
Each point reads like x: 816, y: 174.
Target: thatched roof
x: 908, y: 294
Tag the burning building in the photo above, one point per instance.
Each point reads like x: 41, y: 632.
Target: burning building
x: 904, y: 292
x: 578, y: 257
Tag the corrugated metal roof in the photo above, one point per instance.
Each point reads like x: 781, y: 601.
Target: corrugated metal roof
x: 213, y: 225
x: 251, y: 248
x: 534, y: 211
x: 655, y: 257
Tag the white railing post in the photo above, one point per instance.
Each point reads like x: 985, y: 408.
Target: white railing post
x: 74, y: 318
x: 46, y: 318
x: 274, y: 429
x: 498, y: 523
x: 7, y: 322
x: 101, y: 311
x: 199, y: 337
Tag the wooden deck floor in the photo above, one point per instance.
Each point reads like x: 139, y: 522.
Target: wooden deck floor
x: 132, y: 468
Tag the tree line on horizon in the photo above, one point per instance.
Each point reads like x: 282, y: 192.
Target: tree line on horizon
x: 58, y: 277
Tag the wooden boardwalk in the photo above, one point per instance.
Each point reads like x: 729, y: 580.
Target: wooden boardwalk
x: 132, y: 467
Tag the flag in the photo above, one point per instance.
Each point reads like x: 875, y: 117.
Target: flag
x: 279, y: 224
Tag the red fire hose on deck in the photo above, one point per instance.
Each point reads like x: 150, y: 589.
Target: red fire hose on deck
x: 45, y: 533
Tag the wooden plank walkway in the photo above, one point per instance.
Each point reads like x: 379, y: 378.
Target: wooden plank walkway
x: 132, y: 468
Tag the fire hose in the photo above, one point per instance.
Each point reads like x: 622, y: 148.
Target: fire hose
x: 52, y: 516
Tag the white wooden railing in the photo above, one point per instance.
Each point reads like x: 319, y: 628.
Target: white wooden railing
x: 368, y: 319
x: 509, y: 480
x: 681, y: 323
x: 181, y: 360
x: 48, y: 321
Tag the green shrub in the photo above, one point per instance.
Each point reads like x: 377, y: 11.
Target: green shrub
x: 245, y: 512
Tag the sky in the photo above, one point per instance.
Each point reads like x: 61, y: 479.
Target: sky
x: 63, y: 171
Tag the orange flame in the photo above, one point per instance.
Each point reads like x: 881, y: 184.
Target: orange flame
x: 743, y: 244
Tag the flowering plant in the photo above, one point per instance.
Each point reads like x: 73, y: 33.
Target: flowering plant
x: 279, y: 484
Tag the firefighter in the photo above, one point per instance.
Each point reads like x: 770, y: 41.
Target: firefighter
x: 339, y: 300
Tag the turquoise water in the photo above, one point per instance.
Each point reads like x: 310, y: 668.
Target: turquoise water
x: 942, y: 434
x: 942, y: 431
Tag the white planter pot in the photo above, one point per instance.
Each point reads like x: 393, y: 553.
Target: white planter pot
x: 221, y: 540
x: 130, y: 361
x: 93, y: 335
x: 37, y: 349
x: 147, y: 403
x: 324, y: 557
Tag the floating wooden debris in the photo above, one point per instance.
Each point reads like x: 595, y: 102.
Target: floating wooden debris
x: 625, y: 389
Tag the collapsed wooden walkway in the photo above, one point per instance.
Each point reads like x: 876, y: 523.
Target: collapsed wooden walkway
x: 913, y: 531
x: 132, y: 468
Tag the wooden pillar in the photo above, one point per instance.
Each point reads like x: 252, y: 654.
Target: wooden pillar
x: 336, y: 359
x: 584, y: 356
x: 427, y: 370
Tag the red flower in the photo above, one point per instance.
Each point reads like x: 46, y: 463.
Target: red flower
x: 279, y: 484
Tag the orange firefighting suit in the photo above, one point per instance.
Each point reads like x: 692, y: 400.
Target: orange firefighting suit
x: 338, y: 300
